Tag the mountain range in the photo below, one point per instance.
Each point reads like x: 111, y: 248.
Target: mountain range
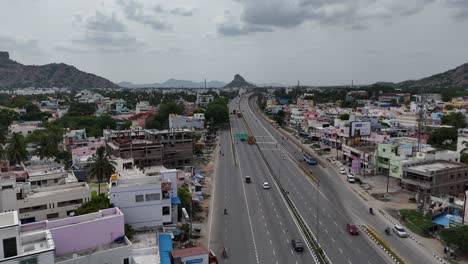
x: 17, y: 75
x: 454, y: 78
x: 173, y: 83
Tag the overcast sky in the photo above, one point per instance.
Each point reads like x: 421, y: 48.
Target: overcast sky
x: 319, y: 42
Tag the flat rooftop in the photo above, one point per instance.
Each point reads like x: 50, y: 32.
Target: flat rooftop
x: 436, y: 166
x: 8, y: 219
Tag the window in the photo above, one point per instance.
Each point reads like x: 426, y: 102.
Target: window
x: 71, y: 202
x: 451, y: 177
x: 153, y: 197
x: 52, y: 216
x: 28, y: 261
x: 126, y: 261
x: 32, y: 209
x: 9, y: 247
x: 139, y: 198
x: 166, y: 210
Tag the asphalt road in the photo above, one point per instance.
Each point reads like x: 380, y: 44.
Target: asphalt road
x: 258, y: 227
x: 338, y: 205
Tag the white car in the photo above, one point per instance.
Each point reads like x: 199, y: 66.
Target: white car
x: 266, y: 185
x: 399, y: 231
x: 342, y: 171
x: 351, y: 178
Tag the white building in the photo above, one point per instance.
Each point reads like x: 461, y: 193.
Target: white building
x: 17, y: 248
x: 48, y: 193
x: 297, y: 116
x: 204, y: 99
x: 188, y: 122
x: 144, y: 196
x: 25, y: 128
x: 143, y: 107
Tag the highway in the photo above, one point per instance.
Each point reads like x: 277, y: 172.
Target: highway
x: 258, y: 227
x: 338, y: 205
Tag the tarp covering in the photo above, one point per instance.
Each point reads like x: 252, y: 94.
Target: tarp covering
x: 175, y: 200
x: 165, y: 248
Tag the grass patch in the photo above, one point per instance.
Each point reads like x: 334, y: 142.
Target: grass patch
x: 416, y: 221
x: 384, y: 244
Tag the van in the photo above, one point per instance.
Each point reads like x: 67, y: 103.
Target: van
x: 308, y: 159
x: 247, y: 179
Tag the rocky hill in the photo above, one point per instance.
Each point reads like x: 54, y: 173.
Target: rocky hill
x: 239, y: 82
x: 454, y: 78
x: 17, y: 75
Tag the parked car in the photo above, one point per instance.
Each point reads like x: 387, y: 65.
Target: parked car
x: 266, y: 185
x: 297, y: 245
x: 351, y: 178
x: 399, y: 231
x: 342, y: 171
x: 352, y: 229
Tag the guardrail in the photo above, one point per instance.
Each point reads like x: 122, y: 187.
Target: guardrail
x: 318, y: 253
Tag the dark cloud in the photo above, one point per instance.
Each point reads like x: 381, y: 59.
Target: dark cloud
x: 20, y: 45
x: 178, y: 11
x: 106, y: 23
x: 460, y: 8
x: 350, y: 14
x: 231, y: 27
x: 133, y: 11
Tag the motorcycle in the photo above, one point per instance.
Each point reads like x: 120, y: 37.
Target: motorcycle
x: 225, y: 211
x: 387, y: 231
x: 371, y: 211
x: 224, y: 253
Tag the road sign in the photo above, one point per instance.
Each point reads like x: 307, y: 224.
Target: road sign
x: 242, y: 136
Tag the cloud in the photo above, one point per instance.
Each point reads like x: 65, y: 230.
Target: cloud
x: 20, y: 45
x: 106, y: 23
x: 461, y: 8
x: 232, y: 27
x: 133, y: 11
x: 178, y: 11
x: 101, y: 32
x: 264, y: 15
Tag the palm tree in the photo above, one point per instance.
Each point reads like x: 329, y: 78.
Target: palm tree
x: 101, y: 167
x: 16, y: 149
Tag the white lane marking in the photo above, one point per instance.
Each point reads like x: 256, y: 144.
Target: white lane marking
x: 349, y: 261
x: 248, y: 212
x: 326, y: 231
x: 333, y: 240
x: 335, y: 223
x: 274, y: 253
x: 340, y: 250
x: 271, y: 243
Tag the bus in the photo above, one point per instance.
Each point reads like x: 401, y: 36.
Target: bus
x: 308, y: 159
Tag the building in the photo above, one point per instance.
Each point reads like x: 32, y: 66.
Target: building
x: 143, y: 107
x: 188, y: 122
x: 145, y: 196
x: 203, y: 100
x: 191, y: 255
x: 24, y: 128
x: 396, y: 97
x: 74, y: 139
x: 305, y: 104
x: 436, y: 178
x: 92, y: 238
x: 49, y: 192
x: 149, y: 147
x: 120, y: 107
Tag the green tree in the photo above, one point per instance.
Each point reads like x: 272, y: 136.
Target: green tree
x: 457, y: 120
x: 464, y: 158
x: 279, y: 117
x: 441, y: 137
x: 456, y: 236
x: 7, y: 117
x: 47, y: 141
x: 393, y: 103
x: 217, y: 113
x: 185, y: 197
x: 344, y: 116
x: 101, y: 167
x: 96, y: 203
x: 81, y: 109
x: 161, y: 119
x: 16, y: 149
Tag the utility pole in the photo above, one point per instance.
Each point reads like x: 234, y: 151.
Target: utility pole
x: 388, y: 175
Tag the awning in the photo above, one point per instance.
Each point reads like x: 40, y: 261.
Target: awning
x: 175, y: 200
x: 442, y: 220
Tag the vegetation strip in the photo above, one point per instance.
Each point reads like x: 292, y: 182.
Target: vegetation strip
x: 382, y: 243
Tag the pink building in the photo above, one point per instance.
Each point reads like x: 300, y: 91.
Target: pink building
x: 92, y: 238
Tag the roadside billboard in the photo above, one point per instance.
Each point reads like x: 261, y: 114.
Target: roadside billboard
x: 360, y: 129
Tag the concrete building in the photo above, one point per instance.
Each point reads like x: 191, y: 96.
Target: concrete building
x: 49, y: 193
x: 203, y: 99
x: 143, y: 107
x: 436, y: 178
x: 145, y: 196
x: 92, y: 238
x: 188, y: 122
x: 24, y: 128
x: 397, y: 97
x: 148, y: 147
x: 74, y: 139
